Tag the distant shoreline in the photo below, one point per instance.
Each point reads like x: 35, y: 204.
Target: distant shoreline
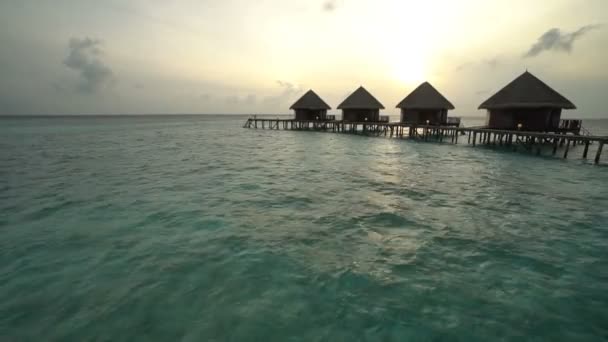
x: 33, y: 116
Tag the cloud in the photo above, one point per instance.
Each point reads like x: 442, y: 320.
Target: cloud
x: 232, y: 99
x: 288, y: 92
x: 463, y: 66
x: 491, y: 63
x: 556, y: 40
x: 288, y: 88
x: 330, y: 5
x: 84, y: 57
x: 249, y: 100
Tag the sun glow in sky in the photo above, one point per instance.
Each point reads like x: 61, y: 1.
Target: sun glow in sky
x: 240, y: 56
x: 410, y: 69
x: 410, y: 41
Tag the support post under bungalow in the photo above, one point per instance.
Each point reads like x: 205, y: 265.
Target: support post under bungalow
x: 555, y: 141
x: 599, y: 152
x: 567, y: 148
x: 586, y: 149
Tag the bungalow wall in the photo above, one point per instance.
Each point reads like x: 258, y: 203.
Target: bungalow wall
x: 420, y: 116
x: 311, y: 114
x: 359, y: 115
x: 532, y: 119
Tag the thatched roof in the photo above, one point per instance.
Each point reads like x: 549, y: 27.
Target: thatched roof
x: 361, y: 99
x: 527, y: 91
x: 310, y: 100
x: 425, y: 97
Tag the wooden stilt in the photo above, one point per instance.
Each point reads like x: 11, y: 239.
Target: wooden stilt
x: 555, y: 142
x: 599, y: 152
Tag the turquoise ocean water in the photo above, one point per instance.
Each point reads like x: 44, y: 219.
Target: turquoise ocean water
x: 191, y: 228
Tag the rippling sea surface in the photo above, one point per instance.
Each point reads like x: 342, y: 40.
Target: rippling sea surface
x: 192, y: 228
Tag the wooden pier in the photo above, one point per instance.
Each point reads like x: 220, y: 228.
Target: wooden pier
x: 515, y: 140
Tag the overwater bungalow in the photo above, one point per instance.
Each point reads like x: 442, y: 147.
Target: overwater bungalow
x: 526, y: 103
x: 310, y: 107
x: 425, y: 105
x: 361, y: 106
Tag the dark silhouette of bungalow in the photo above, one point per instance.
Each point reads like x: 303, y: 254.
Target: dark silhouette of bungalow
x: 361, y: 106
x: 527, y: 101
x: 310, y: 107
x: 424, y: 104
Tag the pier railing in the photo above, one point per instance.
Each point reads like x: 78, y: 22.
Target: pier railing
x: 535, y: 142
x: 570, y: 125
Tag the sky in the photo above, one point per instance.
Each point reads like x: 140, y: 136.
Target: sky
x: 258, y: 57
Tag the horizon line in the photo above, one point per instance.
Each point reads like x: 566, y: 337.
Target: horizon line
x: 217, y: 114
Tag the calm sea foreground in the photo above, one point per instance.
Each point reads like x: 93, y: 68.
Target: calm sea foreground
x: 190, y: 228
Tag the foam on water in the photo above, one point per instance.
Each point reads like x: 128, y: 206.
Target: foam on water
x: 192, y: 228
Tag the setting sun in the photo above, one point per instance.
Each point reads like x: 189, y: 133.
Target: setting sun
x: 409, y: 69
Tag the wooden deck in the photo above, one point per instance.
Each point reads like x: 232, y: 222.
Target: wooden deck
x: 534, y: 142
